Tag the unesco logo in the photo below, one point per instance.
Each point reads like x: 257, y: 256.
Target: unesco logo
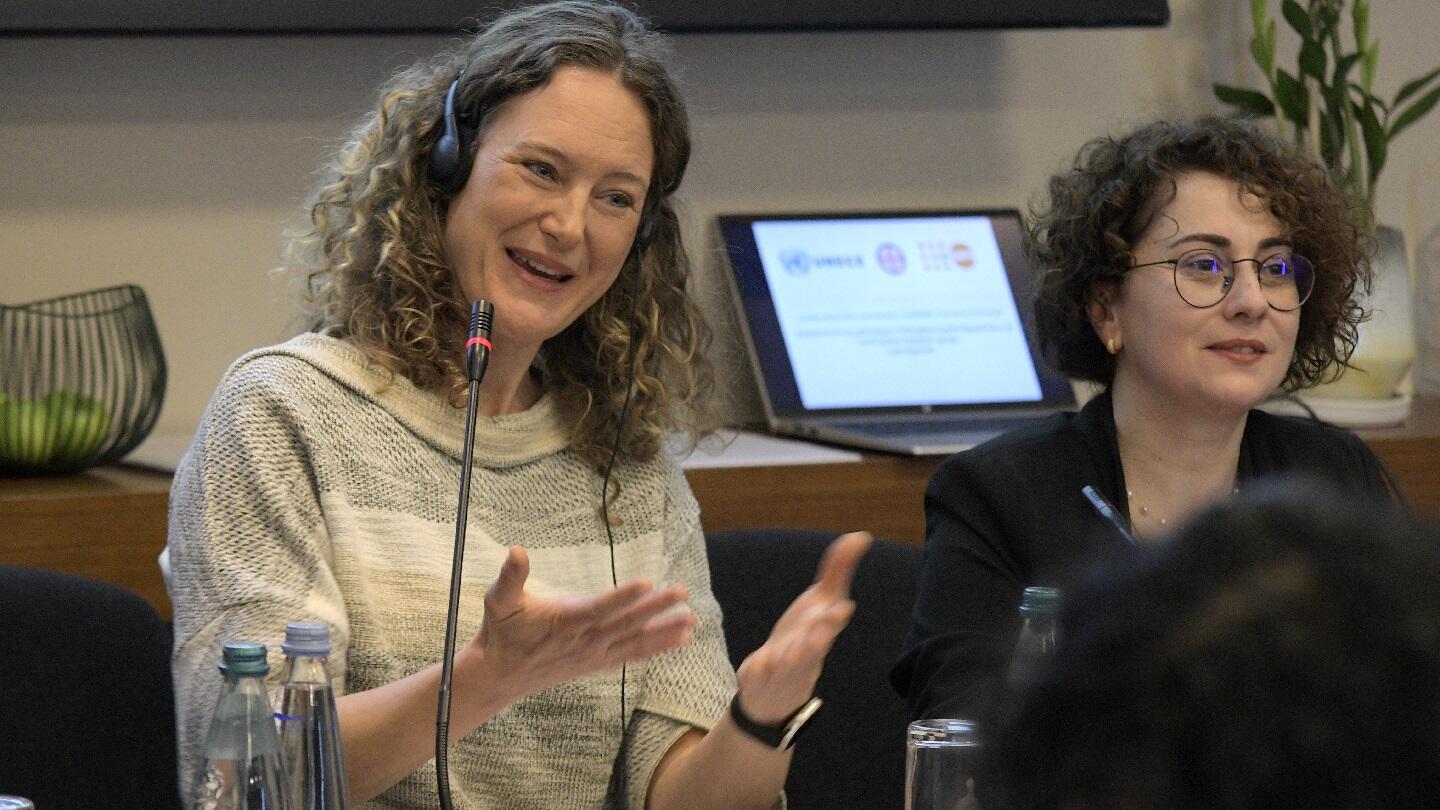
x: 795, y: 262
x: 798, y: 262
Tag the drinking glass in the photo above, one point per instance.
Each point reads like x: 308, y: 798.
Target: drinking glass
x: 940, y: 761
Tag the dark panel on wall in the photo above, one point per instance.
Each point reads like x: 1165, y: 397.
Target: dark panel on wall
x: 141, y: 17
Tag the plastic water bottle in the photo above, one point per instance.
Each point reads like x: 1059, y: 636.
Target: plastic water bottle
x: 243, y: 768
x: 309, y: 730
x: 1039, y: 635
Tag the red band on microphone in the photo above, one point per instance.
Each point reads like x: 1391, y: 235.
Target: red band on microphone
x: 482, y: 341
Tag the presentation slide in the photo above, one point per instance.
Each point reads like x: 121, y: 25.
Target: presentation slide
x: 896, y: 311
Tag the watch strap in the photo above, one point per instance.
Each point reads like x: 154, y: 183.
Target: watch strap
x: 780, y: 737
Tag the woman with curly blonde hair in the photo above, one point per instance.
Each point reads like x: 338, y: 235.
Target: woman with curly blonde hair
x: 533, y: 167
x: 1191, y: 268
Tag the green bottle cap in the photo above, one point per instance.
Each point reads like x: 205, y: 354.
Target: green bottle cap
x: 1040, y: 600
x: 244, y: 658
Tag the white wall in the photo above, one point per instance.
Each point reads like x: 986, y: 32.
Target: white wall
x: 177, y: 163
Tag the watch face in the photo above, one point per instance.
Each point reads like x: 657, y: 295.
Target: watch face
x: 798, y: 722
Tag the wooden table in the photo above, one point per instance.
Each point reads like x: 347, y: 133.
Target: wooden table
x: 109, y: 523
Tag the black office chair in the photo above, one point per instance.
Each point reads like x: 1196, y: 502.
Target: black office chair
x: 853, y: 753
x: 87, y: 711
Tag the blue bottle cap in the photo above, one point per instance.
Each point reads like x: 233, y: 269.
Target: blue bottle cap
x: 245, y: 658
x: 307, y: 638
x: 1040, y: 600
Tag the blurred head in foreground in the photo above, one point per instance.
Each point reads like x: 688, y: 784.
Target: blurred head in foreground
x: 1281, y: 651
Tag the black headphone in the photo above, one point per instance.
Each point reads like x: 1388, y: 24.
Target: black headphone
x: 449, y: 160
x: 453, y: 155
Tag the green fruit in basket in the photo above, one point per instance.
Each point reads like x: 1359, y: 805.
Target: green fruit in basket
x: 80, y: 424
x: 25, y: 436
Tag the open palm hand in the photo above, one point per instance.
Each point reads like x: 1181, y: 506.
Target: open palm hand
x: 538, y: 642
x: 780, y: 676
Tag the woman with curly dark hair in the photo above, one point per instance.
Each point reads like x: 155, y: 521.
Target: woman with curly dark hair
x: 1190, y: 268
x: 533, y: 166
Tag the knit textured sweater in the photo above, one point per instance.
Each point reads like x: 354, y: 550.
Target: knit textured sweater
x: 321, y: 488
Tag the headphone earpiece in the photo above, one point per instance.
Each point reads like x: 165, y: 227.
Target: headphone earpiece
x: 450, y: 159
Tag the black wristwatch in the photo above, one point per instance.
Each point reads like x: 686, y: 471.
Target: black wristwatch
x: 780, y: 737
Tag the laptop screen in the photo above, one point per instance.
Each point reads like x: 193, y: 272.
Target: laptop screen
x: 884, y: 312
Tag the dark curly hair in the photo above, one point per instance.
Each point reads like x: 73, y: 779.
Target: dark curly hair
x: 375, y: 261
x: 1083, y: 237
x: 1281, y: 650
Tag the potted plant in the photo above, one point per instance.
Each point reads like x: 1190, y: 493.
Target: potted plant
x: 1328, y: 106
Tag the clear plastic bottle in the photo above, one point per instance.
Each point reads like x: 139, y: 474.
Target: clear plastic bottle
x: 1039, y: 635
x: 309, y: 730
x: 243, y: 768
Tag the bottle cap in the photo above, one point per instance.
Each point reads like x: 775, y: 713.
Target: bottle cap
x: 244, y: 658
x: 1040, y: 600
x: 307, y: 638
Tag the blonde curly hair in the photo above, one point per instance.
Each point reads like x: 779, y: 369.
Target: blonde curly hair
x: 375, y: 266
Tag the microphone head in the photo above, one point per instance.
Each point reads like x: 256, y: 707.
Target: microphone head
x: 482, y: 316
x: 477, y: 346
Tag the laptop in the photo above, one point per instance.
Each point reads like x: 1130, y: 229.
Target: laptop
x: 906, y: 332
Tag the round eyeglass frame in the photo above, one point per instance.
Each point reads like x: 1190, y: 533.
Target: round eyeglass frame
x: 1229, y: 282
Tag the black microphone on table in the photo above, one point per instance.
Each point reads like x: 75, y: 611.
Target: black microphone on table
x: 477, y: 358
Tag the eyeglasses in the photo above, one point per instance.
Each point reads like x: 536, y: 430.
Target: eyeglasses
x: 1203, y: 278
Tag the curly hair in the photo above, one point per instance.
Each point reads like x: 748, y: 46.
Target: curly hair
x: 375, y: 265
x: 1083, y: 238
x: 1279, y: 651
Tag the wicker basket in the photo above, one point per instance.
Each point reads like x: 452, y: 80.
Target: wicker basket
x: 82, y: 378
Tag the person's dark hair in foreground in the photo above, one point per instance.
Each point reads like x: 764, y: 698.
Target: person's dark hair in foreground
x: 1280, y: 652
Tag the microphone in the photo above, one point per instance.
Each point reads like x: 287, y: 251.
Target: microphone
x: 477, y: 347
x: 477, y: 358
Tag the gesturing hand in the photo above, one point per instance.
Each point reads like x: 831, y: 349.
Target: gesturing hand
x: 778, y: 677
x: 535, y: 643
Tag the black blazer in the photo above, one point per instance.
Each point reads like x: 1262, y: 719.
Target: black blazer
x: 1009, y: 514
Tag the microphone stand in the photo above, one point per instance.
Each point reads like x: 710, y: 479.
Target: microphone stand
x: 477, y: 358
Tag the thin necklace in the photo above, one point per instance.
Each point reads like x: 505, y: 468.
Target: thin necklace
x: 1145, y: 510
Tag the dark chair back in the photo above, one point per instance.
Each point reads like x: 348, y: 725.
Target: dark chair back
x: 87, y: 711
x: 853, y: 753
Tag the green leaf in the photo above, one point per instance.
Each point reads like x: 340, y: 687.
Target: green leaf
x: 1257, y: 15
x: 1249, y: 101
x: 1413, y: 87
x: 1414, y: 112
x: 1298, y: 18
x: 1292, y: 99
x: 1270, y: 47
x: 1367, y: 65
x: 1312, y: 60
x: 1265, y: 60
x: 1333, y: 128
x: 1371, y: 98
x: 1328, y: 16
x: 1375, y: 139
x: 1342, y: 68
x: 1331, y: 143
x: 1360, y: 18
